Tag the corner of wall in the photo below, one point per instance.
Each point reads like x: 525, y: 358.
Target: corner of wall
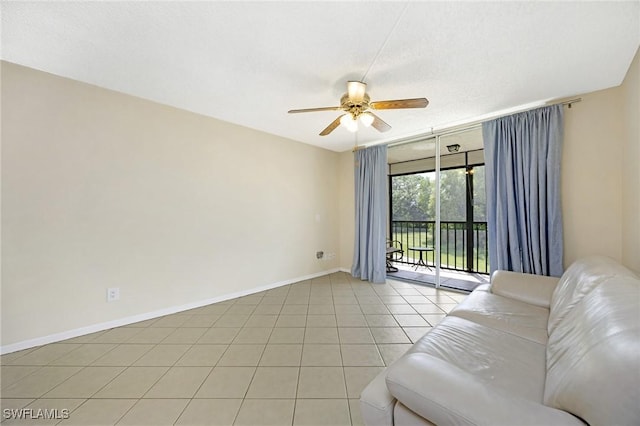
x: 631, y: 167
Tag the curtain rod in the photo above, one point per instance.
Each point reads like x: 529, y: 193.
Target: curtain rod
x: 464, y: 127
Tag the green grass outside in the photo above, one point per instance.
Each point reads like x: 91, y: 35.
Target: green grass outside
x: 454, y: 260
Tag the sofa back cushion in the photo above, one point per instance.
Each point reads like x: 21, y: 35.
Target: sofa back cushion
x: 578, y: 280
x: 593, y: 354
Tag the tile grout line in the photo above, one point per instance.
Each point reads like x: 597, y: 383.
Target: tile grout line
x: 344, y: 375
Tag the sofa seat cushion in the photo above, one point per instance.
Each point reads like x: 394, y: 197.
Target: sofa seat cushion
x: 444, y: 394
x: 502, y: 313
x: 494, y: 357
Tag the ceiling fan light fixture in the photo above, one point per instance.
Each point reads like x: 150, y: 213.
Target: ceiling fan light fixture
x: 355, y: 105
x: 348, y: 121
x: 356, y: 91
x: 366, y: 118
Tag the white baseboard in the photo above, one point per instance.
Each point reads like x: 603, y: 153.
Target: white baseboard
x: 57, y: 337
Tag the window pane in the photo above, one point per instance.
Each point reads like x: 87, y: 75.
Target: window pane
x: 453, y: 195
x: 413, y: 197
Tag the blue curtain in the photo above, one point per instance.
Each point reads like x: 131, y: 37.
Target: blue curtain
x: 371, y: 214
x: 522, y: 173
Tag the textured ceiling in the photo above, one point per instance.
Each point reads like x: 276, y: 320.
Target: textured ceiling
x: 250, y: 62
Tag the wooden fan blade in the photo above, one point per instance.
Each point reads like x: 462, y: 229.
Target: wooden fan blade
x: 295, y: 111
x: 331, y: 127
x: 400, y: 103
x: 379, y: 124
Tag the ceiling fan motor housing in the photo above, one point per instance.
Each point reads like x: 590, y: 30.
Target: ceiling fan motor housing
x: 354, y: 108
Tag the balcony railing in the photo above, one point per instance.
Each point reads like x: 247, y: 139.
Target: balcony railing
x: 458, y: 250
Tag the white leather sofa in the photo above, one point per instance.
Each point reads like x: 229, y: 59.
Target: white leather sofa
x: 524, y: 350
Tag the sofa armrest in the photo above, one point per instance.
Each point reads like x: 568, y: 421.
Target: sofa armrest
x: 533, y: 289
x: 444, y: 394
x: 376, y: 403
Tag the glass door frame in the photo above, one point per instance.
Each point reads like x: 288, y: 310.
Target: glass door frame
x: 437, y: 226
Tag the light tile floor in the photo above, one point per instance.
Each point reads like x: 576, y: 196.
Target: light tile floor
x: 295, y: 355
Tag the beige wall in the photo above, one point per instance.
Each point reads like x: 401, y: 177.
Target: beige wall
x: 592, y: 176
x: 631, y: 167
x: 101, y: 189
x: 601, y: 174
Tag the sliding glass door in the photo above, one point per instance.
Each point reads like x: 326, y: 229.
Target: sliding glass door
x: 437, y: 208
x: 413, y: 201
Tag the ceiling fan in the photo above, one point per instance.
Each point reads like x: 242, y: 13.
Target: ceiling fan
x: 357, y: 106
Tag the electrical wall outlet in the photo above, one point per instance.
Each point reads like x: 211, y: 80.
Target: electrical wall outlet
x: 113, y: 294
x: 319, y: 254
